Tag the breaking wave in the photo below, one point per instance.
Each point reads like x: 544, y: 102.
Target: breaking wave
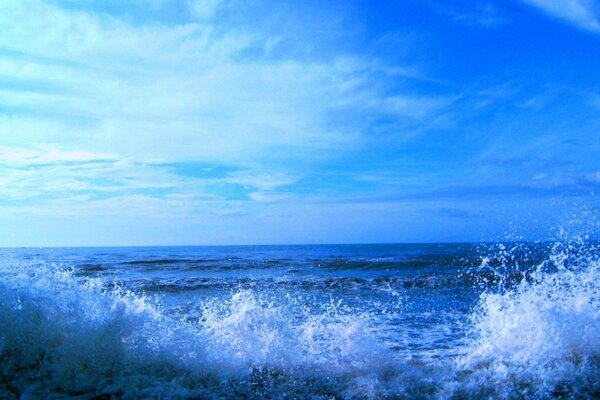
x: 63, y: 336
x: 534, y: 333
x: 540, y: 339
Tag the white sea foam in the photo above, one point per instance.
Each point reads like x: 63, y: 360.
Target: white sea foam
x: 542, y: 338
x: 63, y: 336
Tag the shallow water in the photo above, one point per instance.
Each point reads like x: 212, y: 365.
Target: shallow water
x: 513, y: 320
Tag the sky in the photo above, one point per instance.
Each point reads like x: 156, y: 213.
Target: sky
x: 163, y: 122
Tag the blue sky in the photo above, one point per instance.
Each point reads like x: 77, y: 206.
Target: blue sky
x: 164, y: 122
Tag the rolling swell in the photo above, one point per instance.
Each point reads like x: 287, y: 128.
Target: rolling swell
x: 471, y: 280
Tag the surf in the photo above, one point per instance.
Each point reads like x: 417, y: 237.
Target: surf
x: 533, y: 331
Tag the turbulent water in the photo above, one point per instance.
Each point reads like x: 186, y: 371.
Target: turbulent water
x: 512, y: 320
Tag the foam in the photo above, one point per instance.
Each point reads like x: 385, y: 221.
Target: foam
x: 543, y: 336
x: 64, y: 335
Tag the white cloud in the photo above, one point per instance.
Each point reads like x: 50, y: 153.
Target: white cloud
x: 481, y: 13
x: 268, y: 197
x: 263, y: 180
x: 582, y: 13
x: 48, y: 173
x: 177, y: 92
x: 594, y: 176
x: 204, y: 9
x: 97, y: 103
x: 18, y: 156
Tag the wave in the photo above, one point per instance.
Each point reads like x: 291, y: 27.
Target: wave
x: 331, y: 264
x: 535, y: 335
x: 469, y: 280
x: 541, y: 339
x: 63, y: 337
x: 161, y: 261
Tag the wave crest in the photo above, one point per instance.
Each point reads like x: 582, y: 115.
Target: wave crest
x: 65, y: 336
x: 541, y: 337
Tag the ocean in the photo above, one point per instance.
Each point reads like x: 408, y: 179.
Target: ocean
x: 391, y: 321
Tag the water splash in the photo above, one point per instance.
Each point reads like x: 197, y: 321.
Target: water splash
x: 66, y: 336
x: 534, y: 333
x: 540, y: 338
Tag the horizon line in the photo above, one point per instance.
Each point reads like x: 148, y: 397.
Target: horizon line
x: 292, y: 244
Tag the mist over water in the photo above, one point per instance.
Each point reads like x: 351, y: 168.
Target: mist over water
x: 504, y: 320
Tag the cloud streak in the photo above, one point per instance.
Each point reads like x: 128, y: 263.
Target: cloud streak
x: 204, y: 110
x: 185, y: 91
x: 581, y: 13
x: 100, y: 106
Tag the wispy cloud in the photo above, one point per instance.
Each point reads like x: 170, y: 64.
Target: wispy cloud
x: 204, y: 9
x: 183, y: 91
x: 481, y: 13
x: 449, y: 212
x: 24, y: 157
x: 255, y: 111
x: 582, y: 13
x: 108, y: 103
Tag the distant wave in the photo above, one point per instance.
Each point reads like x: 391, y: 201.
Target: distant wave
x: 467, y: 280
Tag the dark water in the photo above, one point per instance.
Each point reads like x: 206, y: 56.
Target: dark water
x: 518, y: 320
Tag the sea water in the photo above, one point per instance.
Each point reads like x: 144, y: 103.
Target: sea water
x: 500, y: 320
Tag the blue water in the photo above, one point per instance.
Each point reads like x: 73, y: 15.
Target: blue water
x: 502, y: 320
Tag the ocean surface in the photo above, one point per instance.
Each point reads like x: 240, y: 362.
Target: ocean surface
x: 447, y: 321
